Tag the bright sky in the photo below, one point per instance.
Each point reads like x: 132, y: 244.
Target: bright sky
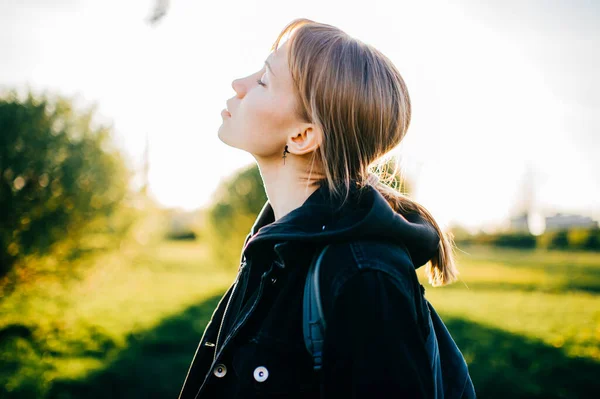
x: 496, y: 86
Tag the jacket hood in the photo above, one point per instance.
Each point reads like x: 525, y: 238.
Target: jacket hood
x: 366, y: 214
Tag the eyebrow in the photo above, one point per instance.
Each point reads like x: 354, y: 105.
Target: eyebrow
x: 270, y: 68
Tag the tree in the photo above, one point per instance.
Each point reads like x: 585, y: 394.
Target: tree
x: 236, y: 203
x: 58, y: 173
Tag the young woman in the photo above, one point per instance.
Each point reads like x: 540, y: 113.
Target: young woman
x: 323, y: 109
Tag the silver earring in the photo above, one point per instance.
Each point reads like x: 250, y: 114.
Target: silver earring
x: 284, y: 152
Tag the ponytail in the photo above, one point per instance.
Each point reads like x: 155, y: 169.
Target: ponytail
x: 441, y: 270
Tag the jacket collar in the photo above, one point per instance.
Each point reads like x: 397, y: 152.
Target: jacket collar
x: 324, y: 219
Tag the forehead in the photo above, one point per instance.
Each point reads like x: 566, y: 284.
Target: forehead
x: 278, y: 59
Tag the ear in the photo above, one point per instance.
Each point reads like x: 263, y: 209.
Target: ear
x: 307, y: 140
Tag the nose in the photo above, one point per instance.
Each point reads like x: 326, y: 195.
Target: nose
x: 238, y: 87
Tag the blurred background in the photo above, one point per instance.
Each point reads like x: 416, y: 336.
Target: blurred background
x: 122, y: 215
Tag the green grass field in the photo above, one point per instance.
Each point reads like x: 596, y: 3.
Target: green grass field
x: 126, y: 324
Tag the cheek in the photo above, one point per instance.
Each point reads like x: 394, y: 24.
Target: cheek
x: 264, y: 117
x: 264, y: 113
x: 259, y: 124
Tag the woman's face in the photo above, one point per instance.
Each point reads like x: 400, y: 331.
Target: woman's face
x: 260, y: 118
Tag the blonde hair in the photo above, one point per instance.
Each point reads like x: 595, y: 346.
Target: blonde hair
x: 358, y: 98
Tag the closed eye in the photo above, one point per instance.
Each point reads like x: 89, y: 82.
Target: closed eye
x: 260, y: 82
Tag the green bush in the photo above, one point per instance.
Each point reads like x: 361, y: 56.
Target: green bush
x: 575, y: 238
x: 510, y: 240
x: 460, y: 234
x: 58, y: 173
x: 584, y: 238
x: 515, y: 240
x: 235, y: 206
x: 554, y: 239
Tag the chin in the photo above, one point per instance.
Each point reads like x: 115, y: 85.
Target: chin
x: 222, y: 134
x: 227, y: 138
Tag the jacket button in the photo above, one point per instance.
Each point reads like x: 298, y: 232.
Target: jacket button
x: 220, y: 370
x: 273, y: 280
x: 261, y: 373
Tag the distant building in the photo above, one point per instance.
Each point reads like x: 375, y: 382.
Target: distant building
x: 526, y: 222
x: 519, y: 223
x: 561, y: 221
x: 528, y: 217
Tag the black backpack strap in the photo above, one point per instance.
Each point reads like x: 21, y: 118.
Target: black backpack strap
x: 456, y: 378
x: 313, y: 321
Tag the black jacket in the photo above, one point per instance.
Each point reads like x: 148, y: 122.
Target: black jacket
x: 375, y: 342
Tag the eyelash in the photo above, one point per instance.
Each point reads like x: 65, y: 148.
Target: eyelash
x: 260, y: 82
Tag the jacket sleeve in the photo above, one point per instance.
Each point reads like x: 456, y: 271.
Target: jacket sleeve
x: 373, y: 347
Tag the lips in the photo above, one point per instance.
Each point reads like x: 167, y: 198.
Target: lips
x: 225, y: 113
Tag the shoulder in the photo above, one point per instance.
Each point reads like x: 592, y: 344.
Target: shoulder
x: 373, y: 336
x: 359, y: 262
x: 343, y: 260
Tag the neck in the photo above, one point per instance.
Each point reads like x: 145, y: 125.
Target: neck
x: 288, y: 186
